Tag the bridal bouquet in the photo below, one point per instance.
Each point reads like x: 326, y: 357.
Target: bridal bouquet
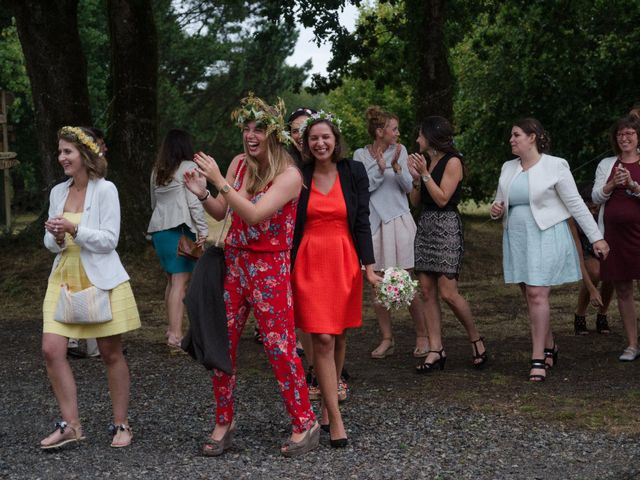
x: 397, y: 289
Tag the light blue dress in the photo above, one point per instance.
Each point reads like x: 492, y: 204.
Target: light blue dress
x: 533, y: 256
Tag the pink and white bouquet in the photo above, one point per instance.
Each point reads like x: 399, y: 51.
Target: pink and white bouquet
x: 397, y: 289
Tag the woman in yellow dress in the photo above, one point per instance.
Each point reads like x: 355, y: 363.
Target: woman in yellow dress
x: 83, y: 230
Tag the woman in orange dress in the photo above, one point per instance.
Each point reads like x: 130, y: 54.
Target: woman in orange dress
x: 332, y: 239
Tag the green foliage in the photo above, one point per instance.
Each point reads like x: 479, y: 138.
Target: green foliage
x: 572, y: 65
x: 350, y: 101
x: 13, y: 78
x: 210, y: 57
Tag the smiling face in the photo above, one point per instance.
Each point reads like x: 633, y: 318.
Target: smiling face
x: 627, y: 139
x: 390, y: 133
x: 520, y: 142
x: 69, y: 158
x: 322, y: 142
x: 254, y: 138
x: 296, y: 135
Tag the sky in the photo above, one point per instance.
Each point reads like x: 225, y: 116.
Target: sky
x: 306, y: 49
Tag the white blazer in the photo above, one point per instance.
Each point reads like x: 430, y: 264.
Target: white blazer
x: 597, y: 194
x: 98, y: 232
x: 553, y: 195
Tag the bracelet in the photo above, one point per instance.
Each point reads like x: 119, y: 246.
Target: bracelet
x: 75, y: 231
x: 426, y: 178
x: 206, y: 195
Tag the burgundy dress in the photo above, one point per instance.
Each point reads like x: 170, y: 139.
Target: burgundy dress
x: 622, y: 231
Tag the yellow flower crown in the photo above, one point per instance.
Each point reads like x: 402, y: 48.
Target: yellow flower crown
x: 254, y: 109
x: 82, y: 137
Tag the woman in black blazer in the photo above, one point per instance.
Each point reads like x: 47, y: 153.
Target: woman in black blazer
x: 332, y: 239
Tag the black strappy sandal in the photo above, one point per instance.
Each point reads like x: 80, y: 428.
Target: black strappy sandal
x: 483, y: 357
x: 553, y: 354
x: 540, y: 365
x: 428, y: 367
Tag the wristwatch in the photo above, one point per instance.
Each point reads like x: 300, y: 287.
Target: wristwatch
x: 226, y: 188
x: 426, y: 178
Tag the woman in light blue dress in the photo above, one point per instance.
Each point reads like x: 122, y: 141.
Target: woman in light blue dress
x: 536, y: 195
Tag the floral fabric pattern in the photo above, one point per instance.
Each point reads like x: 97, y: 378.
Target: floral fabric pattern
x: 260, y: 280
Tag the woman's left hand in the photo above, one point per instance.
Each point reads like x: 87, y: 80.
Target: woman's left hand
x: 208, y: 167
x: 601, y: 249
x: 372, y: 277
x: 418, y: 163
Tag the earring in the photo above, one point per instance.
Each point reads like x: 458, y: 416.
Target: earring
x: 434, y: 152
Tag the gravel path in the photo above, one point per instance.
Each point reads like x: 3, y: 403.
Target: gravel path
x: 171, y: 412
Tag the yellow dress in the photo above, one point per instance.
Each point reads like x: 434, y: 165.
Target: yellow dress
x: 70, y: 271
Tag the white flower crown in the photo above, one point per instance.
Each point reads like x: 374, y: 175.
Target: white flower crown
x: 321, y: 115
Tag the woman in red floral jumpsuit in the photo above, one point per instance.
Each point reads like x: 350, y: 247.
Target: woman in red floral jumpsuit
x: 263, y: 202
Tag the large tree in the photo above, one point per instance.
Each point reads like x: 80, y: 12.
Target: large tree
x: 133, y: 114
x: 57, y: 71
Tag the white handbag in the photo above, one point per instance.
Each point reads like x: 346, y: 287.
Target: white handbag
x: 87, y: 306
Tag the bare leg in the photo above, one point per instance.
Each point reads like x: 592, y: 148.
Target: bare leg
x: 305, y: 339
x: 54, y: 350
x: 416, y: 310
x: 606, y: 293
x: 175, y: 306
x: 448, y: 288
x: 627, y: 307
x: 118, y: 376
x: 539, y: 316
x: 324, y: 349
x: 432, y: 313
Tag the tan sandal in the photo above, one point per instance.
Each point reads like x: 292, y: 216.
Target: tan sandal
x: 310, y: 440
x: 115, y: 430
x: 215, y: 448
x: 68, y: 434
x: 381, y: 352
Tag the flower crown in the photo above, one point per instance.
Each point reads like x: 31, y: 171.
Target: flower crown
x: 321, y: 115
x: 254, y: 109
x: 82, y: 137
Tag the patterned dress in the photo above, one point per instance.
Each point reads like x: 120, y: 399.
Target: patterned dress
x: 439, y: 244
x: 257, y: 260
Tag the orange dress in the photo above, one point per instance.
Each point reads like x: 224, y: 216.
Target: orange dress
x: 327, y: 279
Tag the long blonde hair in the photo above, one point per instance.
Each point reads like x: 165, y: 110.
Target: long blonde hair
x: 278, y: 160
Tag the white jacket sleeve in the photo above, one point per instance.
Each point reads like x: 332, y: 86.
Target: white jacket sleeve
x: 104, y: 238
x: 196, y: 210
x: 49, y: 239
x: 499, y: 193
x: 568, y: 192
x: 602, y: 173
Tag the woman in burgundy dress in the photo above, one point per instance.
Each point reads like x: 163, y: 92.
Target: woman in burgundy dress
x: 616, y: 186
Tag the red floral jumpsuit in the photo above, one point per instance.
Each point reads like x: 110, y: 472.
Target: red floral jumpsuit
x: 257, y: 260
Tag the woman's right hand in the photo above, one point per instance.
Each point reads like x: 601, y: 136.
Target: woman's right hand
x: 52, y: 225
x: 195, y: 182
x: 497, y: 210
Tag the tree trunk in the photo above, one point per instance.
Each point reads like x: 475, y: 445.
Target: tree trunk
x: 427, y: 49
x: 57, y: 71
x: 133, y: 113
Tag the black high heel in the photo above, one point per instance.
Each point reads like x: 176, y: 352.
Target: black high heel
x: 553, y: 354
x: 483, y: 357
x: 540, y: 365
x: 338, y: 443
x: 602, y: 324
x: 427, y: 367
x: 580, y: 325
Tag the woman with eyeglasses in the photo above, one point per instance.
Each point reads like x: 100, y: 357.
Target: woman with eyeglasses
x: 616, y: 188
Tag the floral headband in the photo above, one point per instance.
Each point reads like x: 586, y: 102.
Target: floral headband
x: 254, y: 109
x: 321, y: 115
x: 82, y: 137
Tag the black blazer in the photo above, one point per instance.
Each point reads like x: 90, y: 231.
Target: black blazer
x: 355, y: 189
